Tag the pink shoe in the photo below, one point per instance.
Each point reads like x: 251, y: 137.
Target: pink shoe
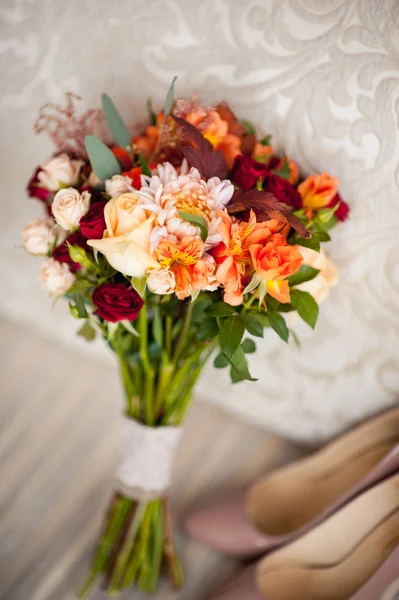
x: 291, y: 500
x: 349, y: 555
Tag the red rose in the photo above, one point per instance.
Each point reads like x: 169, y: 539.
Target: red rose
x: 116, y: 302
x: 342, y: 211
x: 246, y: 172
x: 35, y: 191
x: 61, y: 252
x: 92, y: 224
x: 283, y: 190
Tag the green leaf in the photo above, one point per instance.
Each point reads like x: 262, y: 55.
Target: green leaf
x: 112, y: 329
x: 305, y: 273
x: 235, y: 376
x: 261, y: 317
x: 208, y: 329
x: 157, y: 329
x: 239, y: 363
x: 284, y: 171
x: 279, y: 325
x: 151, y: 115
x: 220, y: 309
x: 221, y: 361
x: 253, y: 325
x: 249, y: 128
x: 87, y: 331
x: 144, y: 166
x: 306, y: 306
x: 81, y: 307
x: 266, y: 140
x: 199, y: 314
x: 198, y: 221
x: 324, y: 215
x: 313, y: 243
x: 139, y: 284
x: 119, y: 131
x: 248, y: 346
x: 103, y: 162
x: 73, y: 310
x: 169, y: 99
x: 295, y: 338
x: 230, y: 335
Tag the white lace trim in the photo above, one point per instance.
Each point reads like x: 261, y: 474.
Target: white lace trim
x: 148, y: 453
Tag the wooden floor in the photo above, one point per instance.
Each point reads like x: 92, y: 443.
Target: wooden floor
x: 59, y: 445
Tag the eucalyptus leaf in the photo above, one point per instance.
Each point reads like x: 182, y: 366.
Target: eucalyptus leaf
x: 198, y: 221
x: 306, y: 306
x: 103, y: 162
x: 119, y: 131
x: 152, y: 116
x: 169, y: 99
x: 277, y: 322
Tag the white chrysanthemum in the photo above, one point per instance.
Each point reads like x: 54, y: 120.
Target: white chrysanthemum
x: 170, y: 191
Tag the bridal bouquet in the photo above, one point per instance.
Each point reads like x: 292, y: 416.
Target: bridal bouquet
x: 173, y: 245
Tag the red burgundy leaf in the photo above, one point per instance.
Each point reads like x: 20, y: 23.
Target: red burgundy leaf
x: 201, y: 155
x: 266, y: 207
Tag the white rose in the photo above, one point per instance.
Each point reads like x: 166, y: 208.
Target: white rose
x: 39, y: 236
x: 60, y: 170
x: 69, y: 206
x: 161, y: 282
x: 126, y: 241
x: 117, y: 185
x: 56, y: 277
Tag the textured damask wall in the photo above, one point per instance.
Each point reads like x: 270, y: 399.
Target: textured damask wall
x: 322, y: 76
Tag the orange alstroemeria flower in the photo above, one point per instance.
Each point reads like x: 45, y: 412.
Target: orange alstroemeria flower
x: 183, y: 259
x: 273, y: 262
x: 318, y: 190
x: 232, y: 255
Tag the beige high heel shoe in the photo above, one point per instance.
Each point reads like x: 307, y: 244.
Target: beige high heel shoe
x: 334, y: 560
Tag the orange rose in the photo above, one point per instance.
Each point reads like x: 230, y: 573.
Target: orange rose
x: 273, y: 262
x: 318, y: 190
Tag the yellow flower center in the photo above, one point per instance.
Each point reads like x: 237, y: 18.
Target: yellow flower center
x: 193, y: 202
x: 178, y: 256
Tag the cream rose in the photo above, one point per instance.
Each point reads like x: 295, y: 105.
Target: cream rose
x: 56, y: 277
x: 161, y: 282
x: 39, y: 236
x: 60, y: 170
x: 117, y: 185
x: 69, y: 206
x: 126, y: 241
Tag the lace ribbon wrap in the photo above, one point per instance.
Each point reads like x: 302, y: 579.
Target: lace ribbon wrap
x: 145, y: 468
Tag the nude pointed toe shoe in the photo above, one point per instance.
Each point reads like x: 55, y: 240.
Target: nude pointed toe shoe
x: 337, y: 559
x: 289, y: 501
